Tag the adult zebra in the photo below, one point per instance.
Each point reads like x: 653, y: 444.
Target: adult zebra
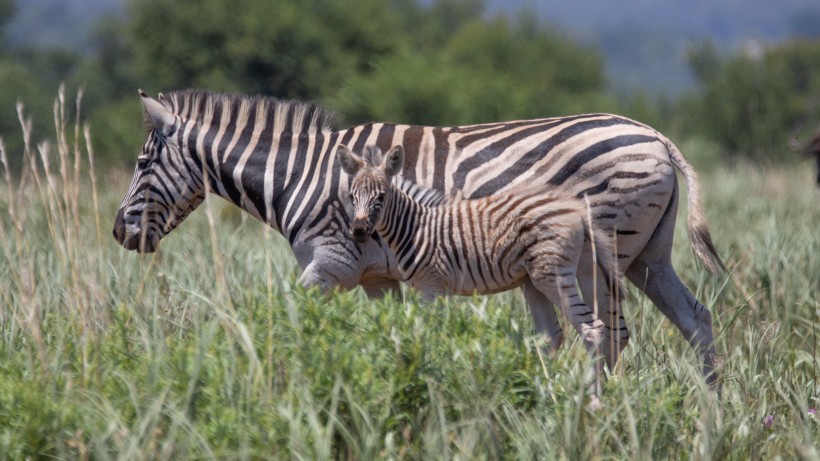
x: 275, y: 159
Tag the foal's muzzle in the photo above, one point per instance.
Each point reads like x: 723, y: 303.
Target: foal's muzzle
x: 360, y: 231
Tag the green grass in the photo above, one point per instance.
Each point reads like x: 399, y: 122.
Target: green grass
x: 212, y: 351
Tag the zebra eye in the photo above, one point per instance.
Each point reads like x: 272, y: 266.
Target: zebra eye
x: 143, y: 163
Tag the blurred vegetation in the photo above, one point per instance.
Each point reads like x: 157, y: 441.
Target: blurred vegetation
x: 752, y: 103
x: 444, y: 62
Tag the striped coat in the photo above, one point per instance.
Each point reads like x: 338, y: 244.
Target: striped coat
x: 276, y: 160
x: 483, y: 245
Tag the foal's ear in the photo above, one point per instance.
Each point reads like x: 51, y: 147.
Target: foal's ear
x: 350, y: 162
x: 393, y: 161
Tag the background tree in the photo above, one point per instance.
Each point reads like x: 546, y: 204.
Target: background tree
x: 443, y: 62
x: 481, y: 71
x: 752, y: 102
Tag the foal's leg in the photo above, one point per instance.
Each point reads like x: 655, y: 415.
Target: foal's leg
x: 554, y: 275
x: 605, y: 298
x: 543, y: 315
x: 561, y: 288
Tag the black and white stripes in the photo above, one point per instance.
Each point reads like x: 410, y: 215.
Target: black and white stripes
x: 276, y: 160
x: 483, y: 245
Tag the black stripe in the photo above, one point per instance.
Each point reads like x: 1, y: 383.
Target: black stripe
x: 234, y: 155
x: 627, y: 190
x: 284, y: 157
x: 358, y: 145
x: 409, y: 170
x: 488, y: 130
x: 462, y: 252
x: 230, y: 130
x: 542, y: 151
x: 253, y: 175
x: 439, y: 158
x: 595, y: 150
x: 384, y: 140
x: 493, y: 150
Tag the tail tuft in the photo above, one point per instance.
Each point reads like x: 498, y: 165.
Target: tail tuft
x: 705, y: 249
x: 696, y: 223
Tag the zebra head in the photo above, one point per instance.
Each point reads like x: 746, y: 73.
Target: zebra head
x: 164, y: 190
x: 370, y: 183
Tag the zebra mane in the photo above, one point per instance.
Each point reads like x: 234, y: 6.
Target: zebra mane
x: 300, y: 117
x: 424, y: 196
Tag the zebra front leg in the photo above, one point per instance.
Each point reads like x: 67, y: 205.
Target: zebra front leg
x: 380, y: 288
x: 543, y: 315
x: 326, y: 279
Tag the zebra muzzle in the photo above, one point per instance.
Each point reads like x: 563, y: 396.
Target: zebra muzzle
x: 360, y: 231
x: 143, y: 241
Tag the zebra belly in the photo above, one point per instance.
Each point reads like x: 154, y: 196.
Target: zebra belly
x: 466, y: 276
x: 461, y: 284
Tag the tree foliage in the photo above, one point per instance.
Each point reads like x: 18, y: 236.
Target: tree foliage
x: 444, y: 63
x: 441, y: 62
x: 484, y: 71
x: 290, y: 48
x: 752, y: 102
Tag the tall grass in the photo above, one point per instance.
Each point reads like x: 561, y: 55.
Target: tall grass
x: 208, y: 348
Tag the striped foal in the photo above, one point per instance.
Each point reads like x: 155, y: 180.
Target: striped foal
x: 487, y: 245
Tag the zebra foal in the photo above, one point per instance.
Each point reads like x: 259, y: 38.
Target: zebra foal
x: 485, y: 245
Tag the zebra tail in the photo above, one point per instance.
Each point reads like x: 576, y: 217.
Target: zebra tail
x: 698, y: 230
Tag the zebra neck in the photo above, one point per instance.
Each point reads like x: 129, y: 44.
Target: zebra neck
x: 264, y: 175
x: 403, y: 223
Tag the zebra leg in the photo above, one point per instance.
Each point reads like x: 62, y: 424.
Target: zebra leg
x: 562, y: 291
x: 652, y: 272
x: 543, y: 315
x: 378, y: 289
x: 599, y: 296
x: 663, y: 287
x: 328, y: 276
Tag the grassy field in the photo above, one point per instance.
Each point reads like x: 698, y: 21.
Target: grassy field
x: 209, y: 350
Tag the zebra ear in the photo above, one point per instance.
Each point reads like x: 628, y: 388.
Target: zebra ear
x: 393, y: 161
x: 350, y: 162
x: 156, y: 115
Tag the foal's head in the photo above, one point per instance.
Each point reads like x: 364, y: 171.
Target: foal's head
x: 369, y: 185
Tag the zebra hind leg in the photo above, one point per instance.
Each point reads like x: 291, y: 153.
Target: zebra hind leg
x: 652, y: 272
x: 663, y: 287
